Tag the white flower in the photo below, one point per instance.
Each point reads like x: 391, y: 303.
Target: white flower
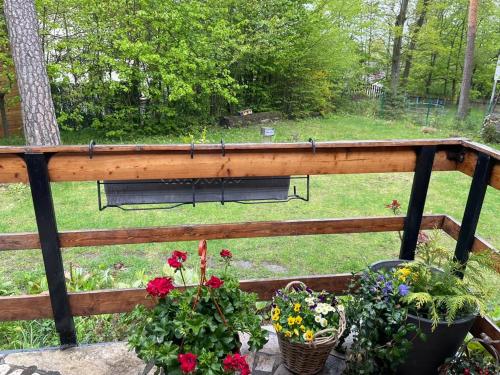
x: 323, y: 322
x: 318, y: 318
x: 309, y: 301
x: 323, y: 308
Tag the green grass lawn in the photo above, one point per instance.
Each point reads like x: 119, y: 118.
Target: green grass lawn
x: 331, y: 196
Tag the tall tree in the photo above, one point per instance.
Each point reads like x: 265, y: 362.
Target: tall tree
x: 39, y: 119
x: 422, y: 11
x: 463, y: 104
x: 396, y: 47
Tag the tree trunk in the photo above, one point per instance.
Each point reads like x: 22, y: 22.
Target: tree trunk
x: 463, y: 104
x: 396, y: 48
x: 39, y: 120
x: 413, y: 40
x: 3, y: 116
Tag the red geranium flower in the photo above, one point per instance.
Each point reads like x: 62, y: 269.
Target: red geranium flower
x: 236, y: 362
x: 177, y: 258
x: 160, y: 286
x: 225, y: 253
x: 214, y: 282
x: 174, y: 263
x: 394, y: 205
x: 188, y: 362
x: 182, y: 255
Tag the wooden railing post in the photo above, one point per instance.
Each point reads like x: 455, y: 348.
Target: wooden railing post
x: 49, y: 243
x: 473, y: 207
x: 421, y: 178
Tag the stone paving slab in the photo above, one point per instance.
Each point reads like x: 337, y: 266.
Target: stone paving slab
x: 117, y: 359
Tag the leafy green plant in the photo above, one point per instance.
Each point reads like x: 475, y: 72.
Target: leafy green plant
x: 473, y: 359
x: 377, y: 321
x: 196, y: 330
x: 441, y: 295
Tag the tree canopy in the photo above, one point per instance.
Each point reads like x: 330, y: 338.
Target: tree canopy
x: 161, y: 65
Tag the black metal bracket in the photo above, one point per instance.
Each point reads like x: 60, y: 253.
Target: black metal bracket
x: 456, y: 154
x: 313, y: 145
x: 91, y: 149
x: 192, y: 150
x: 477, y: 192
x: 49, y: 242
x: 223, y: 147
x: 413, y: 220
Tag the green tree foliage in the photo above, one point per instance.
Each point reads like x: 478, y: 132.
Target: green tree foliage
x: 155, y: 66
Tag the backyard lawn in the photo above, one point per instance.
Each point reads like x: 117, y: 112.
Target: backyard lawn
x: 331, y: 196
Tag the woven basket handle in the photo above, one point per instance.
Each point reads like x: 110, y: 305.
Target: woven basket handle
x: 339, y: 330
x: 292, y: 283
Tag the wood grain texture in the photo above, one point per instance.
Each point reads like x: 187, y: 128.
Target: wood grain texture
x: 123, y: 300
x: 12, y: 169
x: 469, y: 165
x: 103, y: 237
x: 155, y: 165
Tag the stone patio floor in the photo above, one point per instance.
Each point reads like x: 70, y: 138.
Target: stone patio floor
x: 116, y: 359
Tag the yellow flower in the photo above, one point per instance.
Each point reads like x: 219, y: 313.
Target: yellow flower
x: 308, y: 336
x: 296, y: 331
x: 302, y: 328
x: 278, y: 327
x: 276, y: 310
x: 296, y: 307
x: 288, y: 334
x: 276, y: 317
x: 291, y: 320
x: 403, y: 273
x: 298, y: 319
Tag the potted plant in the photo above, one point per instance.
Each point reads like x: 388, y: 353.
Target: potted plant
x: 442, y: 305
x: 194, y: 330
x: 473, y: 359
x: 308, y: 325
x: 378, y: 332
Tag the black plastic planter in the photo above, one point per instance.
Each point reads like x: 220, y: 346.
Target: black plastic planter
x: 181, y: 191
x: 425, y: 357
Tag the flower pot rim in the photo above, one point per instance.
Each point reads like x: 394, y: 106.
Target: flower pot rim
x: 444, y: 322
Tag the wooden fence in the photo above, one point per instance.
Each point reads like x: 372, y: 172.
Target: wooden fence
x: 39, y: 166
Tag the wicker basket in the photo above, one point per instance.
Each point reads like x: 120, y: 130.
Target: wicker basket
x: 309, y: 359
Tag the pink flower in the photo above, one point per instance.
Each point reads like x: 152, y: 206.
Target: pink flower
x: 394, y: 205
x: 214, y: 282
x: 225, y: 253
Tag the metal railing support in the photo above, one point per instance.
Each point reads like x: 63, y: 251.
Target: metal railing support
x: 421, y: 178
x: 49, y: 240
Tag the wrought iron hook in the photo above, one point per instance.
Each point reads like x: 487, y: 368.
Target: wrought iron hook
x: 91, y: 149
x: 313, y: 144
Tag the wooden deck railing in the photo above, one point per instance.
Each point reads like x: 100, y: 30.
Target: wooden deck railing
x: 41, y: 165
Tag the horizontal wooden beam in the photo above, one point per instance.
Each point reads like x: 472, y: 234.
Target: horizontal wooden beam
x: 28, y: 307
x: 78, y: 149
x: 469, y: 165
x: 72, y: 163
x: 103, y: 237
x: 156, y: 165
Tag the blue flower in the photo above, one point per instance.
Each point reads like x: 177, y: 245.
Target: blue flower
x: 387, y: 288
x: 404, y: 289
x: 380, y: 278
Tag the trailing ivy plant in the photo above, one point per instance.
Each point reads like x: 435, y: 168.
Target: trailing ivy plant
x: 377, y: 322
